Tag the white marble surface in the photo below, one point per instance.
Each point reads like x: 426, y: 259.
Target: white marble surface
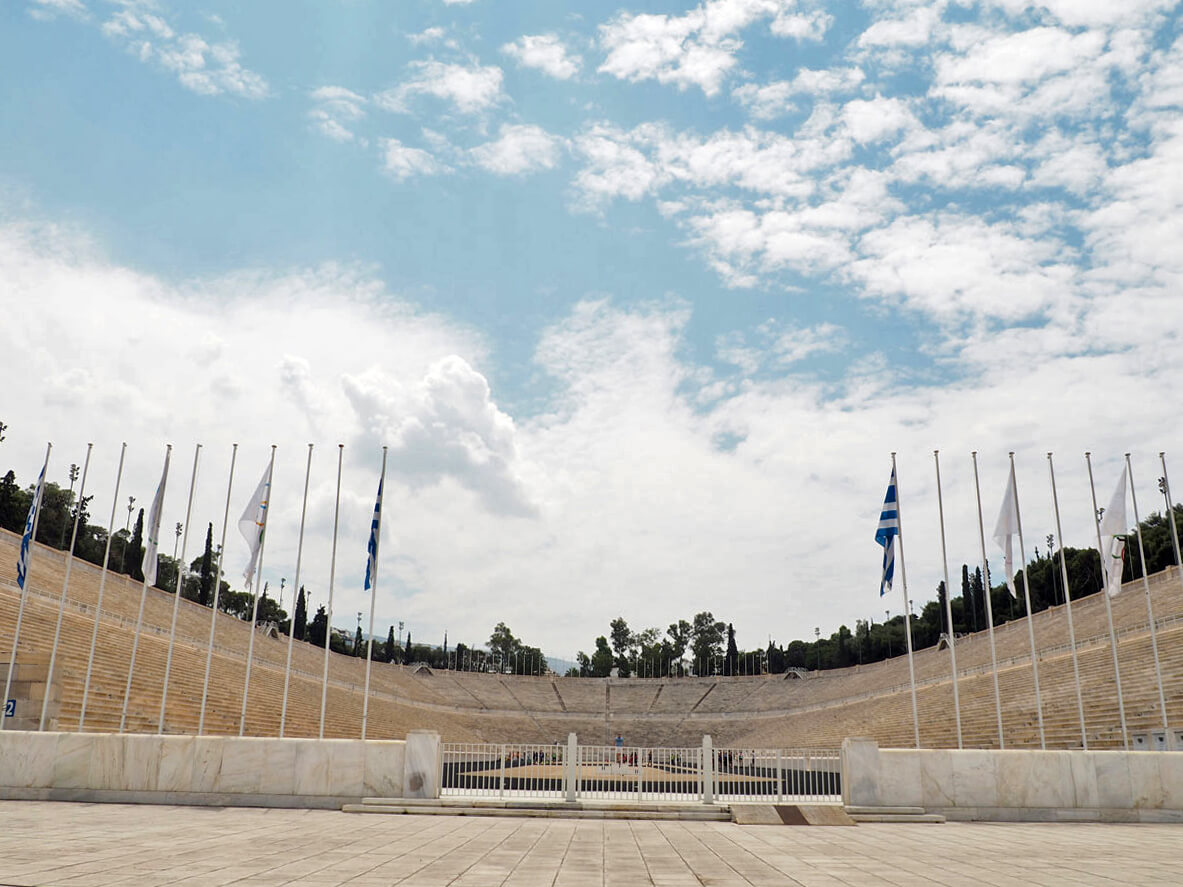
x: 279, y: 767
x: 860, y: 772
x: 422, y: 767
x: 347, y: 767
x: 27, y: 759
x: 242, y: 765
x: 313, y: 764
x: 71, y: 766
x: 176, y: 763
x: 383, y: 774
x: 899, y: 778
x: 141, y: 761
x: 106, y: 762
x: 207, y: 762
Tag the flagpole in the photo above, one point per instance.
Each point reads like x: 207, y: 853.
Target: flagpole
x: 1027, y: 599
x: 907, y: 615
x: 250, y: 647
x: 1166, y: 491
x: 57, y: 631
x: 365, y: 705
x: 135, y: 645
x: 936, y: 458
x: 989, y: 604
x: 324, y: 686
x: 172, y: 629
x: 1084, y: 739
x: 213, y: 616
x: 38, y: 498
x: 1125, y: 736
x: 98, y: 607
x: 1162, y: 700
x: 287, y: 671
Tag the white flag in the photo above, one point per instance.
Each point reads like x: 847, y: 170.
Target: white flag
x: 152, y: 531
x: 1005, y: 530
x: 253, y: 523
x: 1113, y: 532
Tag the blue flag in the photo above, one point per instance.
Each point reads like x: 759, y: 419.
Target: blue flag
x: 375, y: 526
x: 889, y: 528
x: 22, y: 563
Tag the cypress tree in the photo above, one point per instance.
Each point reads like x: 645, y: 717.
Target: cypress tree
x: 407, y: 650
x: 300, y: 627
x: 135, y: 548
x: 941, y: 595
x: 389, y: 651
x: 318, y: 630
x: 732, y: 651
x: 969, y: 611
x: 979, y: 593
x: 207, y: 568
x: 359, y: 643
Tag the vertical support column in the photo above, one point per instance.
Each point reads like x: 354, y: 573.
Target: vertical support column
x: 423, y: 765
x: 640, y: 769
x: 779, y: 776
x: 571, y: 770
x: 708, y: 770
x: 501, y: 780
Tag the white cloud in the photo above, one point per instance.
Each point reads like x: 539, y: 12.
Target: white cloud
x: 45, y: 10
x: 802, y: 26
x: 546, y: 52
x: 427, y: 35
x: 203, y: 67
x: 518, y: 150
x: 769, y: 100
x: 470, y: 89
x: 336, y: 110
x: 877, y: 118
x: 402, y: 162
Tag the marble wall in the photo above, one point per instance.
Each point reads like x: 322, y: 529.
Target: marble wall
x: 215, y: 766
x: 948, y: 780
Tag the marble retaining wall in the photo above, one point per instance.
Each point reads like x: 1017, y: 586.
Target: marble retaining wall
x: 1016, y: 785
x: 207, y: 770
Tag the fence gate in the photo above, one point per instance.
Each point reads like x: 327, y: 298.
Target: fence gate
x: 621, y: 773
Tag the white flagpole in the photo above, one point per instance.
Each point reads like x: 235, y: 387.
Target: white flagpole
x: 324, y: 686
x: 1162, y: 700
x: 213, y: 616
x: 135, y: 644
x: 1027, y: 599
x: 365, y: 705
x: 250, y: 647
x: 287, y: 671
x: 989, y: 604
x: 936, y: 458
x: 1170, y: 514
x: 20, y: 613
x: 172, y: 628
x: 1084, y: 739
x: 98, y: 607
x: 907, y: 616
x: 57, y: 631
x: 1125, y: 735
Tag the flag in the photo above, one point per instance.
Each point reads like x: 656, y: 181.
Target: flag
x: 153, y: 529
x: 1113, y: 533
x: 22, y: 563
x: 1005, y: 530
x: 889, y: 528
x: 253, y: 523
x: 375, y: 530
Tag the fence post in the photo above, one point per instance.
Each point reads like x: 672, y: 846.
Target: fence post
x: 779, y: 776
x: 571, y: 770
x: 640, y: 767
x: 708, y: 770
x: 501, y: 781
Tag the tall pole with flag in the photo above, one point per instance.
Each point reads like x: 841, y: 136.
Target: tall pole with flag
x: 1110, y: 549
x: 172, y: 630
x: 57, y: 631
x: 1009, y: 525
x: 1084, y: 739
x: 372, y: 586
x: 1162, y: 700
x: 1170, y: 513
x: 253, y: 525
x: 98, y: 607
x: 889, y: 534
x: 936, y: 458
x: 148, y: 568
x: 989, y: 605
x: 324, y: 683
x: 24, y: 560
x: 287, y: 670
x: 213, y: 616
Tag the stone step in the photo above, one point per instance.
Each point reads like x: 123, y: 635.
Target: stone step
x: 699, y: 815
x: 934, y: 818
x: 852, y: 809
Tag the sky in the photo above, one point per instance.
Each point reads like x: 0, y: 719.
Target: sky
x: 640, y: 299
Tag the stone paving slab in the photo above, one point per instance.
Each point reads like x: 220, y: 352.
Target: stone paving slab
x: 98, y: 845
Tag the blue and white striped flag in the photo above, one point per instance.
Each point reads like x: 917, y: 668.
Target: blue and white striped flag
x: 22, y: 563
x: 375, y: 531
x: 889, y: 528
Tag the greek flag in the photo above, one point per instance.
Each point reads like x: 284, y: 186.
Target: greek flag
x: 22, y: 563
x: 889, y: 528
x: 375, y: 531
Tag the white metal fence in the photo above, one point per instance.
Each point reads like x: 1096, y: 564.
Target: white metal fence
x: 622, y: 773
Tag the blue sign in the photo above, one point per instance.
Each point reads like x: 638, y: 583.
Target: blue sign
x: 10, y: 708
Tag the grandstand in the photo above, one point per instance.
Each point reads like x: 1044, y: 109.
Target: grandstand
x: 761, y: 711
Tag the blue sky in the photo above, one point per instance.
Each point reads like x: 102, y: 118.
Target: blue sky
x: 641, y: 297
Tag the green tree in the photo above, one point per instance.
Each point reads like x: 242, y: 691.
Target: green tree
x: 319, y: 627
x: 389, y: 651
x: 707, y: 642
x: 622, y: 640
x: 601, y: 659
x: 300, y: 628
x: 207, y: 568
x: 503, y: 643
x: 14, y: 504
x: 135, y: 550
x: 407, y: 660
x: 359, y: 643
x: 732, y: 663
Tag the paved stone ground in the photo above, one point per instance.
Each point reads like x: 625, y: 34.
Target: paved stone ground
x: 107, y: 844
